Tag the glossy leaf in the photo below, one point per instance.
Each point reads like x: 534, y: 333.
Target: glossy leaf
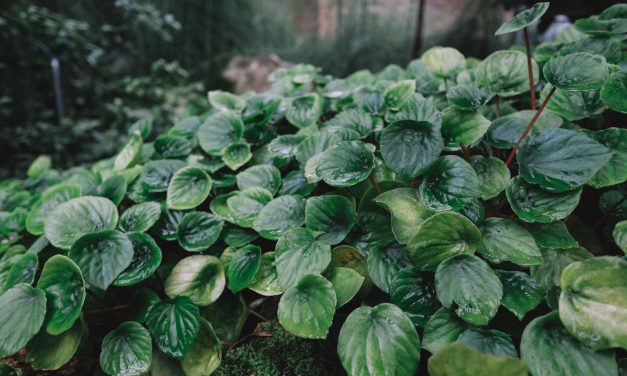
x: 458, y: 359
x: 505, y: 73
x: 280, y: 215
x: 346, y: 164
x: 188, y: 188
x: 243, y: 266
x: 533, y: 204
x: 297, y: 254
x: 397, y: 94
x: 443, y: 328
x: 156, y: 175
x: 22, y: 311
x: 146, y: 260
x: 174, y: 325
x: 444, y: 62
x: 523, y: 19
x: 331, y: 216
x: 200, y: 278
x: 266, y: 281
x: 406, y: 210
x: 505, y: 240
x: 521, y: 293
x: 614, y: 91
x: 235, y: 156
x: 126, y: 350
x: 264, y: 176
x: 140, y: 217
x: 51, y: 352
x: 578, y: 71
x: 197, y: 231
x: 450, y: 184
x: 49, y: 200
x: 218, y: 131
x: 413, y: 291
x: 346, y: 283
x: 505, y: 131
x: 615, y: 171
x: 462, y: 126
x: 205, y: 354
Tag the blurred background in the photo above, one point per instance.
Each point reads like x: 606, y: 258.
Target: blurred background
x: 111, y: 62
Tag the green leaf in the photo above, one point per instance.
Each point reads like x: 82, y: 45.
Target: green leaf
x: 385, y: 262
x: 488, y: 341
x: 442, y: 329
x: 197, y: 231
x: 225, y: 101
x: 141, y: 126
x: 219, y: 131
x: 523, y: 19
x: 551, y: 235
x: 264, y: 176
x: 266, y: 281
x: 280, y: 215
x: 614, y: 91
x: 306, y: 309
x: 505, y: 240
x: 142, y: 301
x: 457, y: 359
x: 205, y: 354
x: 163, y: 365
x: 114, y: 188
x: 102, y: 256
x: 63, y: 283
x: 49, y: 200
x: 227, y: 316
x: 505, y: 73
x: 413, y: 291
x: 285, y: 145
x: 244, y: 207
x: 418, y: 109
x: 443, y: 235
x: 397, y: 94
x: 236, y: 236
x: 126, y: 350
x: 560, y: 160
x: 462, y: 126
x: 174, y: 325
x: 167, y: 225
x: 171, y: 146
x: 493, y: 175
x: 297, y: 253
x: 236, y: 155
x: 188, y: 188
x: 50, y: 352
x: 444, y: 62
x: 23, y: 271
x: 346, y: 283
x: 353, y: 119
x: 130, y: 154
x: 469, y: 283
x: 295, y: 183
x: 331, y: 216
x: 615, y: 171
x: 407, y: 212
x: 304, y: 111
x: 379, y: 340
x: 620, y: 235
x: 533, y: 204
x: 243, y: 266
x: 521, y: 293
x: 155, y: 176
x: 140, y: 217
x: 199, y: 277
x: 346, y: 164
x: 579, y: 71
x: 314, y: 145
x: 573, y: 105
x: 593, y: 302
x: 146, y: 260
x: 401, y: 139
x: 470, y: 96
x: 22, y: 311
x: 450, y: 184
x: 77, y: 217
x: 598, y: 27
x: 505, y: 131
x: 40, y: 165
x: 549, y: 349
x: 555, y: 260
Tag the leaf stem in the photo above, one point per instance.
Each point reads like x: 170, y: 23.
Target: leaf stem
x: 532, y: 86
x: 466, y: 151
x: 374, y: 184
x: 258, y: 315
x: 531, y: 123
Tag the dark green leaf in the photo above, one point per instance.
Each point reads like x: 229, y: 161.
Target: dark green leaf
x: 174, y: 325
x: 127, y: 350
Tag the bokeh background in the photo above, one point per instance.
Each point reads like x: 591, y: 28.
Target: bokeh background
x: 116, y: 61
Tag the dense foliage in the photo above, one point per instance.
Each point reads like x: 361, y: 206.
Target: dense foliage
x: 418, y: 219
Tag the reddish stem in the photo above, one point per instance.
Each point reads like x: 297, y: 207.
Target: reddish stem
x: 532, y: 85
x: 528, y: 129
x: 374, y: 184
x: 498, y: 106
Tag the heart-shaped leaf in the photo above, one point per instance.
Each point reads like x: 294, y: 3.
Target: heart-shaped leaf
x: 413, y: 291
x: 197, y: 231
x: 280, y: 215
x: 578, y: 71
x: 266, y: 281
x: 102, y: 256
x: 140, y: 217
x: 22, y: 311
x: 470, y: 96
x: 533, y: 204
x: 63, y: 283
x: 225, y: 101
x: 523, y: 19
x: 462, y: 126
x: 77, y: 217
x: 146, y: 260
x: 401, y: 139
x: 332, y: 216
x: 306, y: 309
x: 50, y: 352
x: 397, y: 346
x: 188, y: 188
x: 586, y: 287
x: 469, y: 283
x: 441, y: 236
x: 236, y: 155
x: 505, y: 240
x: 304, y: 111
x: 264, y: 176
x: 493, y: 175
x: 549, y: 349
x: 199, y: 277
x: 49, y: 200
x: 407, y: 212
x: 219, y: 131
x: 297, y: 253
x: 346, y: 164
x: 442, y: 329
x: 174, y: 325
x: 521, y: 293
x: 505, y: 73
x: 444, y: 62
x: 126, y: 350
x: 450, y: 184
x: 244, y: 207
x: 243, y: 266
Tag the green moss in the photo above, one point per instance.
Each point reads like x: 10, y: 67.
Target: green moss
x: 279, y: 354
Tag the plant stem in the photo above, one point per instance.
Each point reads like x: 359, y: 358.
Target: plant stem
x: 498, y: 106
x: 531, y: 123
x: 532, y: 85
x: 446, y: 85
x: 466, y: 151
x: 258, y: 315
x: 374, y: 184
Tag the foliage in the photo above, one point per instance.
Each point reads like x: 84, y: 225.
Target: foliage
x: 368, y: 214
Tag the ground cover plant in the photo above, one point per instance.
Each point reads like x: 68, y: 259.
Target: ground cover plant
x: 428, y: 219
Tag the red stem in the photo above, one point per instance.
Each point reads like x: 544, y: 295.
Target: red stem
x: 498, y: 106
x: 528, y: 129
x: 374, y: 184
x: 466, y: 151
x: 532, y: 86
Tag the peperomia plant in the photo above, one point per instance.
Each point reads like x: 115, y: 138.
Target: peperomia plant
x: 429, y: 208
